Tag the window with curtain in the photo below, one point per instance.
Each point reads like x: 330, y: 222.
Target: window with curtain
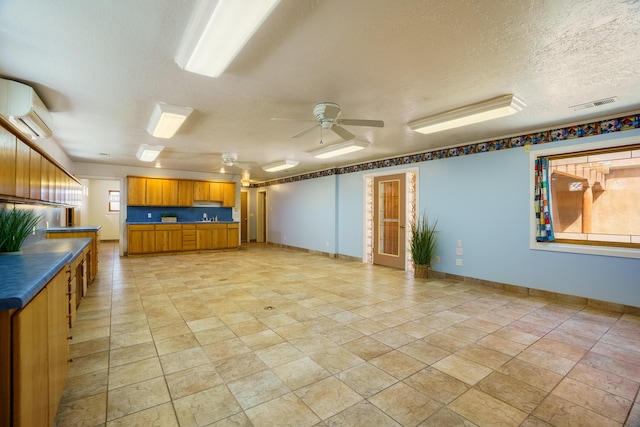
x: 589, y: 197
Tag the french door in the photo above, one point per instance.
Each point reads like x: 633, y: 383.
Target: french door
x: 389, y: 232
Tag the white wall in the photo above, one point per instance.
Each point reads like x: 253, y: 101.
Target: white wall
x: 96, y: 212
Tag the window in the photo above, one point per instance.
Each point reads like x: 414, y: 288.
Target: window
x: 114, y: 200
x: 595, y: 196
x: 594, y: 192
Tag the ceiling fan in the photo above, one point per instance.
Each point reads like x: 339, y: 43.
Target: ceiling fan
x: 327, y: 117
x: 231, y: 160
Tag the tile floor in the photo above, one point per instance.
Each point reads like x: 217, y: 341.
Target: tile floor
x: 186, y: 340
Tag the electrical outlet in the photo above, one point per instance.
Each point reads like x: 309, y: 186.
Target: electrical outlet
x: 437, y: 259
x: 458, y: 251
x: 458, y: 261
x: 149, y: 215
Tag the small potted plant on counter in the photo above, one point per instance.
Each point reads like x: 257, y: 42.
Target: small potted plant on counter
x: 423, y: 245
x: 15, y: 226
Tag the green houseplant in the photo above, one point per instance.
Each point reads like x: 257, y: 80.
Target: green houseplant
x: 15, y: 226
x: 423, y: 245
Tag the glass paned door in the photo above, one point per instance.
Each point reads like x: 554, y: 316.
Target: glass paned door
x: 389, y: 221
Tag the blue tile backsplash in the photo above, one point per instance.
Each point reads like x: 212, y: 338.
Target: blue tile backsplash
x: 185, y: 214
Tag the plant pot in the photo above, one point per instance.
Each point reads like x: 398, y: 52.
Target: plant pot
x: 421, y: 271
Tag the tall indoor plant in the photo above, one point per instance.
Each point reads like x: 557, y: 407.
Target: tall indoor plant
x: 423, y: 245
x: 15, y: 226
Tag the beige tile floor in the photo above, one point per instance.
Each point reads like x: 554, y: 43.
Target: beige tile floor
x: 186, y: 340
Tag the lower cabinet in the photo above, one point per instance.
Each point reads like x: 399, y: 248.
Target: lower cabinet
x: 211, y: 236
x: 142, y: 239
x: 168, y: 238
x: 159, y: 238
x: 40, y: 355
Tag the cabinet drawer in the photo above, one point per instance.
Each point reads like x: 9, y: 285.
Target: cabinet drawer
x: 142, y: 227
x: 167, y: 227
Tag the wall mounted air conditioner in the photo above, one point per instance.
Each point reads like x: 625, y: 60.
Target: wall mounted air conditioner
x: 22, y: 107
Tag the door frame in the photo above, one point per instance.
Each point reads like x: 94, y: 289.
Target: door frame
x: 413, y: 204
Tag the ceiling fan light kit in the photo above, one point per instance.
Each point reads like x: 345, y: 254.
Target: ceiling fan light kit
x: 166, y: 119
x: 148, y: 153
x: 339, y: 149
x: 245, y: 178
x: 217, y: 31
x: 480, y: 112
x: 280, y: 165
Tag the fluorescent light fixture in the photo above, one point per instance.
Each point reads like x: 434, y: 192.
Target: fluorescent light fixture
x: 339, y: 149
x: 280, y: 165
x: 148, y: 153
x: 217, y: 31
x: 166, y: 119
x: 487, y: 110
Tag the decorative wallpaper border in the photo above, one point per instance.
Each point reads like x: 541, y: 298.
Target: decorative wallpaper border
x: 579, y: 131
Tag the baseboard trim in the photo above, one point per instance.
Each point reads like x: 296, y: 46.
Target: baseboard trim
x: 554, y: 296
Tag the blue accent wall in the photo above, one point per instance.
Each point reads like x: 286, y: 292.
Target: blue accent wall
x: 139, y: 213
x: 481, y: 200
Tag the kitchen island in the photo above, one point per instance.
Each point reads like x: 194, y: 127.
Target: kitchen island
x: 37, y: 300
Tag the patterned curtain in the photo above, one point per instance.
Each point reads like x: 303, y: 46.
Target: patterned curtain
x: 542, y: 202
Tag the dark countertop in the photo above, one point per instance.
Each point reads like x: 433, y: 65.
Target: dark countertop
x: 73, y: 229
x: 23, y: 276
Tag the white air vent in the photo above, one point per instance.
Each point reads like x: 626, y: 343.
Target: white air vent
x: 594, y: 103
x: 23, y: 108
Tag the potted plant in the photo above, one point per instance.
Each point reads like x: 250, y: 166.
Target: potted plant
x: 423, y: 245
x: 15, y: 226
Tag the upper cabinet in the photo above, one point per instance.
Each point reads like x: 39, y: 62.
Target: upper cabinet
x: 178, y: 192
x: 27, y: 175
x: 7, y: 163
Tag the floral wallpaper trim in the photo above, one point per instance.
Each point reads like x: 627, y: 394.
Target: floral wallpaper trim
x: 579, y: 131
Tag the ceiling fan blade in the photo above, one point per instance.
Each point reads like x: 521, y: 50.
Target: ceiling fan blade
x: 342, y: 132
x: 281, y: 119
x: 361, y: 122
x: 305, y: 131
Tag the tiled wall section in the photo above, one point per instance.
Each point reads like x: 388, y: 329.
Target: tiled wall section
x: 588, y: 129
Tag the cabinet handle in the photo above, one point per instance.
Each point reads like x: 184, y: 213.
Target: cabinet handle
x: 70, y: 337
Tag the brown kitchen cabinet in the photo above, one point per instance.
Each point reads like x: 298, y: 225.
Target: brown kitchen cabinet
x: 142, y: 238
x: 39, y: 349
x: 93, y: 253
x: 168, y: 237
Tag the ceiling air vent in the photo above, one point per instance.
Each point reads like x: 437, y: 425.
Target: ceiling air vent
x: 593, y: 104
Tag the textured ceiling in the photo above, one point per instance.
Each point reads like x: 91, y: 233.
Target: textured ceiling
x: 100, y: 66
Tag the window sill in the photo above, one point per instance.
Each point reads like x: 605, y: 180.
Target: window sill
x: 620, y: 252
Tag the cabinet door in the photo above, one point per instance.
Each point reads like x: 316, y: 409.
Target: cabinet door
x: 154, y: 192
x: 7, y: 163
x: 232, y: 236
x: 204, y: 236
x: 136, y: 191
x: 30, y: 363
x: 229, y: 194
x: 201, y: 190
x: 22, y: 169
x: 215, y: 192
x: 185, y: 193
x: 35, y: 175
x: 142, y: 239
x: 168, y: 238
x: 169, y: 192
x: 58, y: 339
x: 44, y: 179
x: 219, y: 236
